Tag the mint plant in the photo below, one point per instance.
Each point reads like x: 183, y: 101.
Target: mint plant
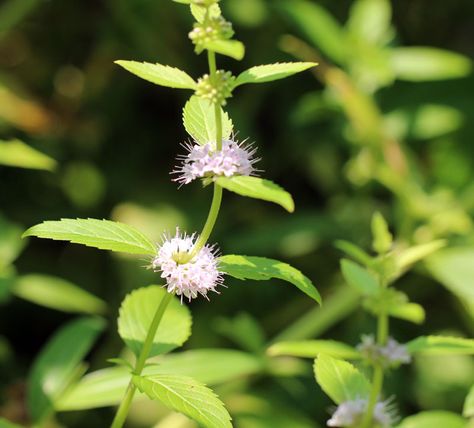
x: 153, y: 320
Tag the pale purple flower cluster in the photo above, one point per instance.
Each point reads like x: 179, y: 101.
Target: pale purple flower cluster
x: 189, y: 279
x: 205, y: 161
x: 350, y: 413
x: 390, y: 355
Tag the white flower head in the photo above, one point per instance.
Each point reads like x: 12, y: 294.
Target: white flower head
x: 350, y: 413
x: 206, y: 162
x: 187, y: 278
x: 392, y: 354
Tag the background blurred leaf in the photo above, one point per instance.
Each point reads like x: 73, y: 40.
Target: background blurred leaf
x: 261, y: 268
x: 7, y: 424
x: 185, y: 395
x: 340, y: 379
x: 57, y: 364
x: 136, y: 313
x: 57, y: 293
x: 11, y: 243
x: 468, y: 409
x: 424, y: 63
x: 311, y: 349
x: 18, y: 154
x: 13, y: 11
x: 434, y: 418
x: 244, y: 330
x: 441, y: 345
x: 255, y: 187
x: 102, y: 234
x: 370, y: 20
x: 359, y: 278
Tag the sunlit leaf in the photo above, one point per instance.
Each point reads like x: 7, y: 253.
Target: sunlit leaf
x: 369, y: 20
x: 261, y: 268
x: 258, y: 188
x: 102, y: 234
x: 232, y: 48
x: 468, y: 409
x: 312, y: 348
x: 359, y: 278
x: 407, y: 311
x: 340, y: 379
x: 159, y: 74
x: 424, y: 63
x: 137, y: 312
x: 418, y: 252
x: 185, y: 395
x: 57, y: 293
x: 200, y: 122
x: 433, y: 418
x: 58, y: 363
x: 441, y: 345
x: 199, y: 12
x: 270, y: 72
x: 18, y: 154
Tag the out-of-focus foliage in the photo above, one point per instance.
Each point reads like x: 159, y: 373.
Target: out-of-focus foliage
x: 386, y: 124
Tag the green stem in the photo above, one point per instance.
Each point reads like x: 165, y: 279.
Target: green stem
x: 124, y: 407
x: 378, y: 375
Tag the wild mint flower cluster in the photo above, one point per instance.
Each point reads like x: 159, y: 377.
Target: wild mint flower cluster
x: 350, y: 414
x: 392, y: 355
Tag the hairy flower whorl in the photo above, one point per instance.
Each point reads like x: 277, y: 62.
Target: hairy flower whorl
x: 350, y: 413
x: 206, y: 162
x: 197, y: 276
x: 392, y: 354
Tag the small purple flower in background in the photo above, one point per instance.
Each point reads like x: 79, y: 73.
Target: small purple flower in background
x: 196, y: 276
x: 391, y: 355
x: 204, y: 161
x: 350, y: 413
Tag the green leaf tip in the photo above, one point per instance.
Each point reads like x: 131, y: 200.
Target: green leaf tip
x: 101, y: 234
x: 159, y: 74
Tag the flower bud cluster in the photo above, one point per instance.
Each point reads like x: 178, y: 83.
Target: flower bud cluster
x: 212, y: 29
x: 391, y: 355
x: 216, y: 90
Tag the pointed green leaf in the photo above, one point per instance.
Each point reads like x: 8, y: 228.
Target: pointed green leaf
x: 187, y: 396
x: 418, y: 63
x: 407, y: 311
x: 136, y: 314
x: 17, y: 154
x: 106, y: 387
x: 58, y: 362
x: 432, y: 419
x: 441, y: 345
x: 340, y: 379
x: 414, y: 254
x: 359, y: 278
x: 232, y: 48
x: 269, y: 72
x: 319, y: 26
x: 382, y: 238
x: 57, y: 293
x: 354, y: 251
x: 102, y: 234
x: 258, y: 188
x: 159, y: 74
x: 200, y: 122
x: 312, y: 348
x: 261, y: 268
x: 468, y: 408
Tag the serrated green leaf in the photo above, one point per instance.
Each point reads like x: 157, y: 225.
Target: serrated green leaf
x: 187, y: 396
x: 369, y: 20
x: 159, y: 74
x: 319, y: 26
x: 432, y: 419
x: 312, y: 348
x: 407, y: 311
x: 106, y: 387
x: 231, y: 48
x: 441, y: 345
x: 258, y: 188
x: 340, y: 379
x: 57, y: 293
x: 382, y: 238
x: 414, y: 254
x: 200, y: 122
x: 417, y: 64
x: 58, y: 362
x: 468, y: 408
x: 17, y: 154
x: 136, y: 313
x: 454, y: 269
x: 261, y: 268
x: 102, y: 234
x: 270, y: 72
x: 359, y: 278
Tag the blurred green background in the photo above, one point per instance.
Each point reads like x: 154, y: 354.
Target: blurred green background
x: 374, y: 129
